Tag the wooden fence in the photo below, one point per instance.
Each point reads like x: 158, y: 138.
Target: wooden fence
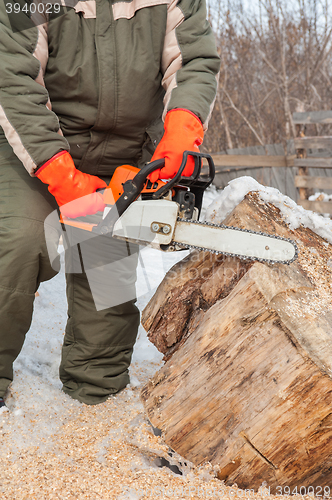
x: 307, y: 181
x: 307, y: 165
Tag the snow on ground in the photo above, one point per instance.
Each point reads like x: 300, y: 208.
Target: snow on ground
x: 36, y: 386
x: 54, y: 447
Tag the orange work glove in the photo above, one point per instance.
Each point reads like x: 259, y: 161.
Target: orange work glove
x: 183, y: 132
x: 70, y: 187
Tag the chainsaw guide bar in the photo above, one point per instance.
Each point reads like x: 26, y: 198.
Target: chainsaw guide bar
x: 239, y: 256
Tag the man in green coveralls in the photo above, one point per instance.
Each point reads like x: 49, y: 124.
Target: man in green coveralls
x: 104, y: 84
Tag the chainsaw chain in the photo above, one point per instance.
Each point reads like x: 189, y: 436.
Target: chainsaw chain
x: 239, y: 256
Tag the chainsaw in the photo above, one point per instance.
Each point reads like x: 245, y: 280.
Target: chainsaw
x: 165, y: 216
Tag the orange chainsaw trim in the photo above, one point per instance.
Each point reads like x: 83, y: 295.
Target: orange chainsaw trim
x: 86, y: 226
x: 122, y: 174
x: 113, y: 192
x: 115, y: 188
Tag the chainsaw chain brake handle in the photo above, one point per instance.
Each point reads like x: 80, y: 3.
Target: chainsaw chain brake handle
x: 132, y: 188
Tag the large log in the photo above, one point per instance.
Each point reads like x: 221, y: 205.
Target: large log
x: 248, y: 347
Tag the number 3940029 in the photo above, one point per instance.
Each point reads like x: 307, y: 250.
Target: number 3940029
x: 314, y: 491
x: 33, y: 8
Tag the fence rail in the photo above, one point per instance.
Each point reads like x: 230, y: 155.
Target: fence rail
x: 252, y: 161
x: 307, y: 181
x: 306, y: 166
x: 321, y: 117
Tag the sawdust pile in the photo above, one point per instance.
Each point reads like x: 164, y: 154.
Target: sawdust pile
x: 103, y: 452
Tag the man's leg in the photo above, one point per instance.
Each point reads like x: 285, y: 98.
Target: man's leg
x: 103, y: 319
x: 24, y: 204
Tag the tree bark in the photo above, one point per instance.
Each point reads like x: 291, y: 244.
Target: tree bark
x: 248, y: 347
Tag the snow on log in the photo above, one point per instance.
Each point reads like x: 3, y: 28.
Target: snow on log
x: 247, y: 382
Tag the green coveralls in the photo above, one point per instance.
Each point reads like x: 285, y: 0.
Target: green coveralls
x: 94, y: 81
x: 98, y: 344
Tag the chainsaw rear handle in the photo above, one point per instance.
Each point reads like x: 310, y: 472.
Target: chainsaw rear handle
x: 132, y: 188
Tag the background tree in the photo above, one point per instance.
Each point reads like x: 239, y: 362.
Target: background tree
x: 276, y: 59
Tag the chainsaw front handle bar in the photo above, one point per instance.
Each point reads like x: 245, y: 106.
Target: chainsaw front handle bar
x: 132, y: 188
x: 194, y: 180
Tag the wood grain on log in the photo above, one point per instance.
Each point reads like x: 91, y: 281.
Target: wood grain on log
x: 247, y: 383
